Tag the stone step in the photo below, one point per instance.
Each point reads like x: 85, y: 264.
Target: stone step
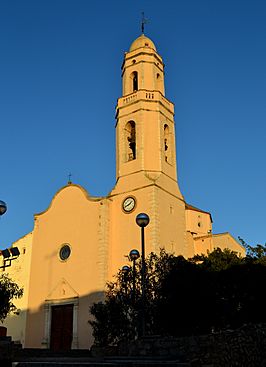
x: 40, y: 353
x: 81, y: 362
x: 100, y: 364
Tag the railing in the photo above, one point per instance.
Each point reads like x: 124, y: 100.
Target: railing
x: 144, y: 95
x: 165, y: 100
x: 130, y: 98
x: 149, y: 95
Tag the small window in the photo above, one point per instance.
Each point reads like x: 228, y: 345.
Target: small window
x: 64, y: 252
x: 159, y: 83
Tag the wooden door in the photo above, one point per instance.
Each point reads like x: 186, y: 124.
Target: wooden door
x: 61, y: 327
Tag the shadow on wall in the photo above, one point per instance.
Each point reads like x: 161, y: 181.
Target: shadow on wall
x: 59, y: 324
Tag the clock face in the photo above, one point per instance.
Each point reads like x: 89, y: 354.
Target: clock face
x: 129, y: 204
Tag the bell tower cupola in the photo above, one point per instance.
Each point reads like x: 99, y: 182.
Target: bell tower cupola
x: 145, y: 131
x: 143, y: 68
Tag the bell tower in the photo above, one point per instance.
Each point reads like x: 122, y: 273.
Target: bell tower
x: 146, y: 174
x: 145, y: 131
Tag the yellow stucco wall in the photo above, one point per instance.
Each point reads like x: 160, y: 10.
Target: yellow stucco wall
x: 198, y: 222
x: 73, y: 218
x: 163, y: 231
x: 209, y: 242
x: 226, y: 240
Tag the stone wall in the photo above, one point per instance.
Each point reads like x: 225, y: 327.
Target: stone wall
x: 245, y: 346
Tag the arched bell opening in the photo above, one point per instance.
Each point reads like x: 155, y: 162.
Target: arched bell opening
x: 166, y: 144
x: 130, y: 131
x: 134, y: 81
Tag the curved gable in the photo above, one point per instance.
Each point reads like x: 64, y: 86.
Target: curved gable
x: 69, y: 194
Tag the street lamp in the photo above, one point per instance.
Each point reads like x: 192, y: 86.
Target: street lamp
x: 125, y: 269
x: 11, y: 253
x: 3, y: 207
x: 142, y: 221
x: 134, y: 255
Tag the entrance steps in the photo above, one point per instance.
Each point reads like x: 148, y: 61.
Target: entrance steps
x: 81, y: 358
x: 79, y: 362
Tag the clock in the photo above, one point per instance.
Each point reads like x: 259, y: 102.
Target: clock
x: 129, y: 204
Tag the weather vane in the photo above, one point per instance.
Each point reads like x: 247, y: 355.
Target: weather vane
x: 69, y: 178
x: 143, y: 22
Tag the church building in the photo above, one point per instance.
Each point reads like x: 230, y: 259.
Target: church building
x: 80, y: 241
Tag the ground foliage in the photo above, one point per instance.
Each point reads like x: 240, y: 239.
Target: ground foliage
x: 183, y: 297
x: 9, y: 291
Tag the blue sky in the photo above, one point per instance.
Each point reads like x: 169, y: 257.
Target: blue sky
x: 60, y: 78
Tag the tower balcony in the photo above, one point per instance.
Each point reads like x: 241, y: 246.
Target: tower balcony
x: 146, y: 96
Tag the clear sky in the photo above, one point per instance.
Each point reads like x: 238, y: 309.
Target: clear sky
x: 60, y: 77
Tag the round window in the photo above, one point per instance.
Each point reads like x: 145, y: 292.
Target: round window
x: 65, y: 252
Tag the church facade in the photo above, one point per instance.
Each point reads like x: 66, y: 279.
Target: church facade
x: 79, y: 242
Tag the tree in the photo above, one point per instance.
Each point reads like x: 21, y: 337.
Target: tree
x: 218, y: 259
x: 216, y: 291
x: 254, y: 254
x: 9, y: 290
x: 118, y: 318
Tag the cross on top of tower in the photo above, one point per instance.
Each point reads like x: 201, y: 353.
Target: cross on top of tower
x: 69, y: 178
x: 143, y: 22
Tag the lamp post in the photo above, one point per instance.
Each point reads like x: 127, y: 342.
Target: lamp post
x: 3, y: 207
x: 142, y: 221
x: 134, y: 255
x: 11, y: 253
